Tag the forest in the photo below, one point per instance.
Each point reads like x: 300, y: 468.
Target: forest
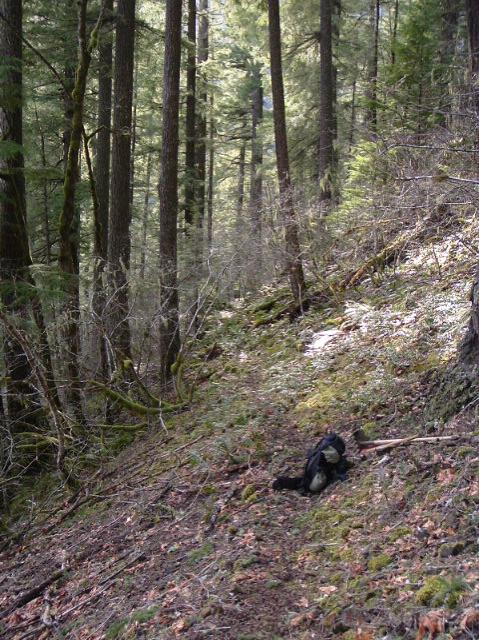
x: 227, y: 229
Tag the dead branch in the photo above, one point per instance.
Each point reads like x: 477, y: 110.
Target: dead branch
x: 370, y: 446
x: 37, y: 590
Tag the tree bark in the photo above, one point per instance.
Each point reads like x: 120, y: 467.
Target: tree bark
x: 69, y: 218
x: 202, y: 131
x: 119, y: 242
x: 394, y: 32
x: 469, y: 348
x: 472, y: 9
x: 14, y: 249
x: 200, y: 149
x: 294, y: 263
x: 450, y: 20
x: 144, y: 221
x: 211, y: 175
x: 372, y: 111
x: 326, y: 115
x: 102, y: 181
x: 240, y: 192
x: 352, y: 126
x: 256, y: 184
x: 190, y: 124
x: 133, y: 128
x: 168, y: 192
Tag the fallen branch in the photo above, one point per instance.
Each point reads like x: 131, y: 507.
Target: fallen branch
x: 370, y: 446
x: 136, y: 407
x: 36, y: 591
x: 124, y: 427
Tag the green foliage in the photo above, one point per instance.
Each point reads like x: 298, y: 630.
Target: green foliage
x: 418, y: 68
x: 9, y: 149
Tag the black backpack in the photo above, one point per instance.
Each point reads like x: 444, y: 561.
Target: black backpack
x: 315, y: 463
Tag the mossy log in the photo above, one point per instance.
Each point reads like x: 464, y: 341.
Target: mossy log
x: 380, y: 260
x: 270, y: 302
x: 124, y: 427
x: 136, y: 407
x: 276, y: 315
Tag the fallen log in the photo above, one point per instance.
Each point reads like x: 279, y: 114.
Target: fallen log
x: 382, y: 259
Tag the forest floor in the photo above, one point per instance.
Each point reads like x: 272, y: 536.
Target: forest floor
x: 181, y: 535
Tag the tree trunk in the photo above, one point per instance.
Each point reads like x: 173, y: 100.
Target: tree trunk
x: 119, y: 242
x: 190, y: 124
x: 450, y: 21
x: 211, y: 174
x: 240, y: 193
x: 326, y: 115
x: 202, y: 132
x: 146, y: 209
x: 469, y: 350
x: 69, y: 218
x: 133, y: 130
x: 372, y: 112
x: 292, y: 249
x: 168, y: 192
x: 472, y: 8
x: 256, y: 184
x: 352, y: 126
x: 102, y: 180
x: 14, y: 250
x: 201, y: 136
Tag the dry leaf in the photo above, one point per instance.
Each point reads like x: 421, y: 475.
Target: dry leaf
x: 180, y: 626
x: 433, y: 623
x: 301, y: 618
x: 329, y: 589
x: 446, y: 476
x: 470, y: 620
x: 363, y: 635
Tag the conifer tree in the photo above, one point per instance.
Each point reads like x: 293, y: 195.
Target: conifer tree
x: 294, y: 263
x: 168, y: 192
x: 119, y: 241
x: 69, y: 219
x: 102, y: 176
x: 190, y: 124
x: 326, y: 117
x: 469, y: 352
x: 16, y: 282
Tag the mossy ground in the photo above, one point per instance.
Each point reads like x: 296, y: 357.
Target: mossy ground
x: 188, y: 539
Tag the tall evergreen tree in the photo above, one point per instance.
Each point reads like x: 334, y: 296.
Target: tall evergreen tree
x: 256, y: 183
x: 202, y: 130
x: 168, y: 191
x: 69, y: 219
x: 470, y: 345
x: 14, y: 250
x: 292, y: 249
x: 372, y: 109
x: 190, y: 124
x: 102, y: 172
x: 326, y: 115
x: 119, y: 242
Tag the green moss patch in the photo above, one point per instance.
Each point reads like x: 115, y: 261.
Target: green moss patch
x: 439, y: 590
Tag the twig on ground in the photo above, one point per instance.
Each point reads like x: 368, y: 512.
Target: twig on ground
x: 370, y: 446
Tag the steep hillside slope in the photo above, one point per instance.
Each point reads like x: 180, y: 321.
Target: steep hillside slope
x: 182, y: 535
